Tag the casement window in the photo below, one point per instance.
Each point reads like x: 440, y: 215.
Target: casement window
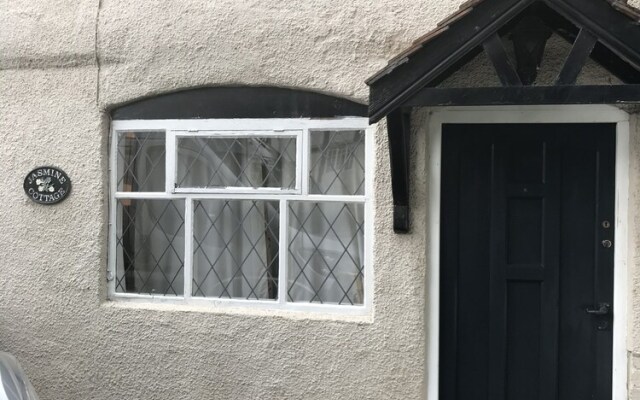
x: 271, y: 213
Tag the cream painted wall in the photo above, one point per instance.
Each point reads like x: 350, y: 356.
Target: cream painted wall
x: 63, y: 65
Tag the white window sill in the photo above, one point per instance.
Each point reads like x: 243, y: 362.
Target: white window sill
x: 354, y: 314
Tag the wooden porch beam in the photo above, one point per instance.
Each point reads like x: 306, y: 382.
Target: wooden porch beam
x: 494, y: 48
x: 526, y: 95
x: 398, y: 129
x: 389, y: 92
x: 600, y: 54
x: 612, y: 28
x: 582, y: 48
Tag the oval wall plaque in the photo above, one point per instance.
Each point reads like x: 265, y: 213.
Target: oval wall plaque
x: 47, y: 185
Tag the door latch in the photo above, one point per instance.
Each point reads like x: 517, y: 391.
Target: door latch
x: 600, y: 309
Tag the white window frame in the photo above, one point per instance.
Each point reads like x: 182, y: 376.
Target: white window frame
x: 299, y: 128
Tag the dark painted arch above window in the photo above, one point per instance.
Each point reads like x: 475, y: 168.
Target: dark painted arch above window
x: 239, y: 102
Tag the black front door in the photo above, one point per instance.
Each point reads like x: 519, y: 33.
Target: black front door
x: 527, y: 261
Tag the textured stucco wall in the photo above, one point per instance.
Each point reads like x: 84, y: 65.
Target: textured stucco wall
x: 63, y: 63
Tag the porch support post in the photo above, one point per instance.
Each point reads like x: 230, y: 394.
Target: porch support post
x: 399, y: 130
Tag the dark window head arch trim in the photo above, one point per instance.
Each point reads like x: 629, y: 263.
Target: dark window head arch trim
x: 240, y: 102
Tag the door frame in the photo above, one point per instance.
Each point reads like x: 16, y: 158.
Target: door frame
x: 528, y: 115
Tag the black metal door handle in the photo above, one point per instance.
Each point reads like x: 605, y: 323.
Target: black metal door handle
x: 600, y: 309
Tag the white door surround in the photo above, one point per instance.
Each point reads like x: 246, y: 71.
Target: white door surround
x: 528, y: 115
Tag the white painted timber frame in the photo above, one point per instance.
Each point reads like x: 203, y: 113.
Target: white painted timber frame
x: 299, y: 128
x: 529, y: 115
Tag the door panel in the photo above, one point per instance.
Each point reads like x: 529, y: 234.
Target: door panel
x: 522, y: 260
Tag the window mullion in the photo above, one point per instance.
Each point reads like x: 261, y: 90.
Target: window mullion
x: 303, y: 161
x: 188, y: 248
x: 283, y: 259
x: 170, y: 166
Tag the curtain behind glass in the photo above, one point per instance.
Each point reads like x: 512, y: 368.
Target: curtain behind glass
x: 234, y: 254
x: 150, y: 233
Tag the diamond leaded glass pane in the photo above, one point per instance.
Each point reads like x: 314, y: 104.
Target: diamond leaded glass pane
x: 337, y: 163
x: 326, y: 250
x: 236, y: 249
x: 150, y: 247
x: 141, y: 161
x: 252, y: 162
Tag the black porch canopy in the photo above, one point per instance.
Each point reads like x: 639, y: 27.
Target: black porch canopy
x: 606, y: 31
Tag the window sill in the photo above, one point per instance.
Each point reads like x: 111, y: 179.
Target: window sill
x: 354, y: 314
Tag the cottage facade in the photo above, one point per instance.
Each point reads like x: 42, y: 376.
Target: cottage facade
x: 76, y: 76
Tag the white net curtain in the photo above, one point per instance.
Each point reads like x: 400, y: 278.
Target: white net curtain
x: 327, y: 239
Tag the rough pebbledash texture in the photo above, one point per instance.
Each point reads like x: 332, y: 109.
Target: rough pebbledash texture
x: 64, y: 64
